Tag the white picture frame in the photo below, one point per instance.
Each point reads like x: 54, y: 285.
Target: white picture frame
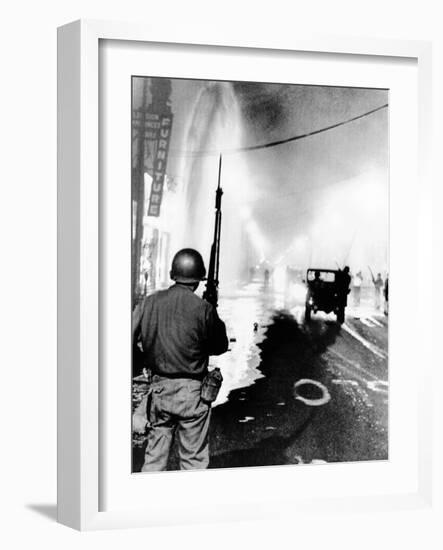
x: 79, y: 269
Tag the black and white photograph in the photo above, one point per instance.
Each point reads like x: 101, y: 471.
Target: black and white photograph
x: 260, y: 274
x: 221, y: 275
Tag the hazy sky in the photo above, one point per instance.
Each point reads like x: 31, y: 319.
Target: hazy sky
x: 330, y: 189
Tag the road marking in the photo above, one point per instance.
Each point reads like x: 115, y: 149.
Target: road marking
x: 374, y: 383
x: 299, y: 460
x: 353, y: 364
x: 313, y: 402
x: 378, y: 386
x: 371, y: 347
x: 344, y: 382
x: 375, y: 321
x: 367, y: 322
x: 354, y: 374
x: 247, y: 419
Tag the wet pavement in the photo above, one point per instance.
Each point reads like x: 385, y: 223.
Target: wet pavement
x: 269, y: 413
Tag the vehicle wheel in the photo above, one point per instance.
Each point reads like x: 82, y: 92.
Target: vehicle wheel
x: 341, y: 315
x: 307, y: 313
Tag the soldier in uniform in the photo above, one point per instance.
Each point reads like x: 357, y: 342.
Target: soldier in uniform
x: 179, y: 331
x: 317, y: 284
x: 343, y: 281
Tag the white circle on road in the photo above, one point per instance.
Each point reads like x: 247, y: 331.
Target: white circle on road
x: 326, y: 396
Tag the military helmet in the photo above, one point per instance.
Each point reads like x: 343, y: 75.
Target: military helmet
x: 188, y: 266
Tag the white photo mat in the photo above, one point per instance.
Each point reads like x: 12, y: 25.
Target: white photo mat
x: 124, y: 499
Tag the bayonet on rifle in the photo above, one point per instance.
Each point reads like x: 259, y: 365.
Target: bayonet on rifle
x: 211, y: 292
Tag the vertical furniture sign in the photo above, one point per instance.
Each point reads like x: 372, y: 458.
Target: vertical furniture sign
x: 160, y: 163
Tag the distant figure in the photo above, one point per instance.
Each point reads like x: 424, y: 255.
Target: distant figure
x: 317, y: 284
x: 266, y: 278
x: 386, y: 295
x: 356, y: 287
x: 146, y: 277
x: 251, y: 274
x: 378, y: 286
x: 343, y: 281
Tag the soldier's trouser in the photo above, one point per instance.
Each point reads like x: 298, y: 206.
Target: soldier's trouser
x: 176, y: 409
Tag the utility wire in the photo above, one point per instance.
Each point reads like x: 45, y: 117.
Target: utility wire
x: 210, y: 152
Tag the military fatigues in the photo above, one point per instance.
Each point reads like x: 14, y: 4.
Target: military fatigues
x: 179, y: 331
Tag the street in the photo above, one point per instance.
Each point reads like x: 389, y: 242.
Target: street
x: 260, y: 418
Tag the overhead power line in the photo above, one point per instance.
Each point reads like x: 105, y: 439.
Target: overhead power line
x: 210, y: 152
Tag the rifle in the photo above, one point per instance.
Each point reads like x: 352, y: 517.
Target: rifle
x: 211, y: 292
